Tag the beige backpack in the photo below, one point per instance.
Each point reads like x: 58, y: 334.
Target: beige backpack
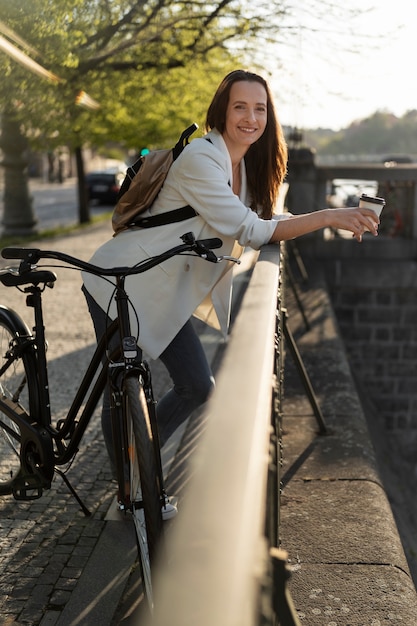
x: 142, y: 184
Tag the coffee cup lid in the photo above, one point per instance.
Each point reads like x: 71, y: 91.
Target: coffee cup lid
x: 372, y: 199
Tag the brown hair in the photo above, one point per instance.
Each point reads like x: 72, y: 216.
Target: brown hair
x: 266, y: 159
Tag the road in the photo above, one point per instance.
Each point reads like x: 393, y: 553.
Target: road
x: 55, y: 204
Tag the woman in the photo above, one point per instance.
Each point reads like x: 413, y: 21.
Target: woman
x: 231, y: 177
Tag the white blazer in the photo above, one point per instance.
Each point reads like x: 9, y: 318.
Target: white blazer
x: 165, y: 297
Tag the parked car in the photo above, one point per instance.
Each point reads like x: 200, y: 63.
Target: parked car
x: 396, y: 159
x: 104, y: 186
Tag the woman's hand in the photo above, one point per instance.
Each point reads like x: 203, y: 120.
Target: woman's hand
x: 356, y: 220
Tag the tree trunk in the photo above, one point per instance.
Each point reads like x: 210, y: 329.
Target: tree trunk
x: 83, y: 207
x: 18, y: 217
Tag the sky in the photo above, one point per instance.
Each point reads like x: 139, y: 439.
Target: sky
x: 332, y: 71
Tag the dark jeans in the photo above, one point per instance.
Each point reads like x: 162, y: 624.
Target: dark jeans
x: 189, y: 370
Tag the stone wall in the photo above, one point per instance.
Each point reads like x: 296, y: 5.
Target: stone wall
x: 377, y: 315
x: 375, y: 303
x: 373, y: 326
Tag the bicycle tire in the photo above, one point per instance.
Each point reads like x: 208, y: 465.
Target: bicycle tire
x: 19, y: 392
x: 144, y: 483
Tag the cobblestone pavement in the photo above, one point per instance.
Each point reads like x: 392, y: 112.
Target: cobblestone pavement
x: 45, y: 544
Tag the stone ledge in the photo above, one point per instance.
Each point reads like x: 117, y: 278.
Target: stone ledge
x: 347, y: 559
x: 354, y: 595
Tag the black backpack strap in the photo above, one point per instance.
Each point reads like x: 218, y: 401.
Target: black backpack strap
x: 183, y: 140
x: 177, y: 215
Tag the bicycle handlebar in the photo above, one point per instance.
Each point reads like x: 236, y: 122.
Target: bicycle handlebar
x: 18, y: 253
x: 201, y: 247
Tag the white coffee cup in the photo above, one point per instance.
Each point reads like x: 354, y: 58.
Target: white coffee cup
x: 371, y: 202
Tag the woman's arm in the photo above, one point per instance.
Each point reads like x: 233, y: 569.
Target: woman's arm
x: 354, y: 219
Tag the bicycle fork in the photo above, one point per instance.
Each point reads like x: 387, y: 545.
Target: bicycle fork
x: 151, y: 404
x: 131, y: 364
x: 120, y: 430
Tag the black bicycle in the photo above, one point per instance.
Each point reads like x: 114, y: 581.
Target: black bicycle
x: 33, y: 447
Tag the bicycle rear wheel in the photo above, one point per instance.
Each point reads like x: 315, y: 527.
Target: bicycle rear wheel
x: 18, y: 391
x: 145, y: 489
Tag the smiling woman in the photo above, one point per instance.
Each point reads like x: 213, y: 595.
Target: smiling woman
x: 246, y: 119
x: 231, y: 177
x: 265, y: 157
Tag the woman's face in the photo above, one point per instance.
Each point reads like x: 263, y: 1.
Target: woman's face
x: 246, y: 114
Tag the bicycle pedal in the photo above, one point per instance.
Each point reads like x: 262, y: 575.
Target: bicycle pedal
x: 27, y: 488
x: 24, y: 494
x: 27, y: 493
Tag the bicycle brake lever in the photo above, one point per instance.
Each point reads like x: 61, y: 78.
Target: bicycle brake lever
x: 26, y: 266
x: 205, y: 253
x: 208, y: 255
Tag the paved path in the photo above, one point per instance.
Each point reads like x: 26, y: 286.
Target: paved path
x: 46, y: 544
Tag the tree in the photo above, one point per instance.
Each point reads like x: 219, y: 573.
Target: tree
x: 382, y: 134
x: 148, y: 63
x: 131, y: 56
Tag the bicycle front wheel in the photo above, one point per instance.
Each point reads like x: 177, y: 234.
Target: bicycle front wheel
x: 18, y: 391
x: 145, y: 489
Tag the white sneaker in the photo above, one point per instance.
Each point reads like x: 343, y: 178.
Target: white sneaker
x: 169, y: 509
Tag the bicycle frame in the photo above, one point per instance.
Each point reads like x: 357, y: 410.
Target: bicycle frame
x: 57, y: 445
x: 54, y: 445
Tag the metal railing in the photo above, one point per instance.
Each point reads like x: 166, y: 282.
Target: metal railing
x: 218, y: 553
